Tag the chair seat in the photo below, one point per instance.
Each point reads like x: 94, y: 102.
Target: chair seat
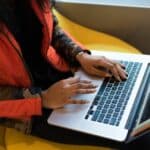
x: 19, y: 141
x: 92, y: 40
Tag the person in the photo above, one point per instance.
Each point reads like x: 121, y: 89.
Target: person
x: 37, y: 65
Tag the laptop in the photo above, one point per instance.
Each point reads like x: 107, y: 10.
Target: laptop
x: 116, y: 108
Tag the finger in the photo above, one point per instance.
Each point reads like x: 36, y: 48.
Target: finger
x: 115, y: 62
x: 112, y: 61
x: 71, y: 101
x: 123, y: 66
x: 100, y: 73
x: 83, y: 85
x: 105, y: 63
x: 121, y: 72
x: 114, y: 69
x: 85, y: 91
x: 72, y: 80
x: 85, y: 81
x: 118, y: 70
x: 115, y: 73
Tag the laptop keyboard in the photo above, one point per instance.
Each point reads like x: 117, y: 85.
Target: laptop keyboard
x: 112, y: 98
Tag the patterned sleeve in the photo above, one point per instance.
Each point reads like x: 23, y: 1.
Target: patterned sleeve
x: 65, y: 46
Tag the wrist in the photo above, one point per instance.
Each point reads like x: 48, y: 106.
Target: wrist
x: 44, y: 99
x: 81, y: 56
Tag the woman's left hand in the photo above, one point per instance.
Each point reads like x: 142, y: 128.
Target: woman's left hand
x: 101, y: 66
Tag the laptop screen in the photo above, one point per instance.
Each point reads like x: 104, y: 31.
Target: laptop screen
x: 143, y: 122
x: 145, y: 114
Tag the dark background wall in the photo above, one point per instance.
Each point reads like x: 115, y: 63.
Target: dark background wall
x: 128, y: 20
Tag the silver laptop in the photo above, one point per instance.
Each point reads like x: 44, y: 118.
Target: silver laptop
x: 114, y: 107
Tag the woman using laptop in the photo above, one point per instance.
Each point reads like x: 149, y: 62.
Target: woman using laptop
x: 37, y: 57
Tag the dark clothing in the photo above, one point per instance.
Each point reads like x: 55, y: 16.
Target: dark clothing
x: 28, y: 32
x: 44, y: 130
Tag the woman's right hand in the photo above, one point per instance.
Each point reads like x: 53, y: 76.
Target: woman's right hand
x: 60, y: 93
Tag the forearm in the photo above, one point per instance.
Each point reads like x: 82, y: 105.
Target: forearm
x: 20, y: 108
x: 16, y: 111
x: 65, y: 45
x: 13, y: 104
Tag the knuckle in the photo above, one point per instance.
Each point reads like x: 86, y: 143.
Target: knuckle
x: 114, y: 67
x: 100, y: 60
x: 62, y: 82
x: 79, y: 85
x: 77, y: 79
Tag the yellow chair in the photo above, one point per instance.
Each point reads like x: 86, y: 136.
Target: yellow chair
x: 93, y: 39
x: 2, y: 135
x: 13, y: 140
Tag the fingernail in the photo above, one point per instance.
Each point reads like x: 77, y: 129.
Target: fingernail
x: 95, y: 86
x: 93, y: 90
x: 123, y: 67
x: 119, y: 79
x: 125, y: 78
x: 86, y: 102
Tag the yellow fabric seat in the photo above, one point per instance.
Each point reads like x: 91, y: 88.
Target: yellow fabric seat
x: 14, y: 140
x: 93, y: 39
x: 2, y: 135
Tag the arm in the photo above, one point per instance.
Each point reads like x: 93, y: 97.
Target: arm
x: 15, y: 106
x: 65, y: 45
x: 21, y: 108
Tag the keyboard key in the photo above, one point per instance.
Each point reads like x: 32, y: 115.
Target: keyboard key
x: 117, y: 109
x: 112, y: 121
x: 108, y: 101
x: 106, y: 94
x: 104, y: 111
x: 113, y: 96
x: 99, y: 107
x: 108, y: 116
x: 112, y: 105
x: 106, y: 106
x: 106, y: 121
x: 115, y: 115
x: 87, y: 116
x: 110, y: 111
x: 95, y: 116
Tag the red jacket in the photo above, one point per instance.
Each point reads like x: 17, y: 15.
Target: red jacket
x: 13, y: 71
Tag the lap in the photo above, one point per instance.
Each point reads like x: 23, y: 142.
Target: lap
x: 43, y: 130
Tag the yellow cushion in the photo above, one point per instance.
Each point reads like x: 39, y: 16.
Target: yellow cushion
x: 92, y: 40
x: 2, y: 135
x: 18, y: 141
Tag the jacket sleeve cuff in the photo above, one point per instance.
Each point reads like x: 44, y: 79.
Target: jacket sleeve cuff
x: 38, y: 107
